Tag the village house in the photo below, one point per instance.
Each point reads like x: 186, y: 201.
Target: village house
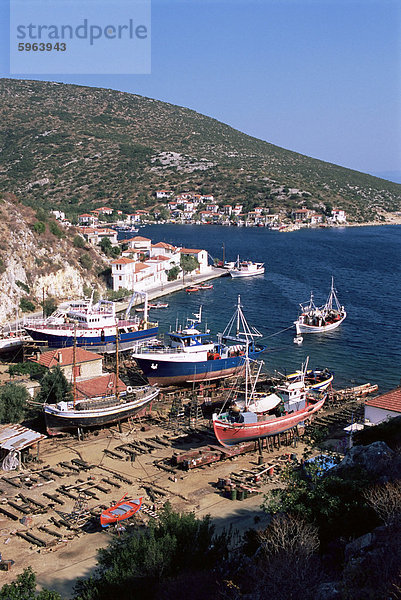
x: 139, y: 244
x: 127, y: 273
x: 383, y: 408
x: 205, y: 216
x: 104, y: 210
x: 237, y: 210
x: 161, y: 194
x: 207, y: 198
x: 301, y: 215
x: 88, y: 219
x: 201, y: 256
x: 213, y: 208
x: 87, y: 364
x: 95, y: 235
x: 315, y: 219
x: 227, y: 209
x: 337, y: 216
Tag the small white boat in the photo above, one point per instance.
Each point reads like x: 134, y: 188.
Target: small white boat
x: 315, y: 319
x: 246, y: 268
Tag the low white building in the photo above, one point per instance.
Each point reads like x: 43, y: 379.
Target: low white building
x: 95, y: 235
x: 87, y: 219
x: 160, y: 194
x: 338, y: 216
x: 126, y: 273
x: 201, y: 257
x: 383, y: 408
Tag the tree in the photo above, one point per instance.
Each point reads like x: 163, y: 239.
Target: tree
x: 136, y: 567
x: 13, y: 402
x: 386, y: 501
x: 188, y: 263
x: 79, y: 241
x: 54, y: 387
x: 49, y: 306
x: 24, y: 588
x: 26, y: 305
x: 173, y: 273
x: 86, y: 261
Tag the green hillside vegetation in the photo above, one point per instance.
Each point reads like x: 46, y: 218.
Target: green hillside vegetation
x: 78, y: 148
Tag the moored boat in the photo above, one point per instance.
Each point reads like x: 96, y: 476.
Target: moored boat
x: 314, y: 319
x: 246, y: 268
x: 93, y: 325
x: 315, y: 379
x: 259, y: 416
x: 192, y: 356
x: 123, y: 509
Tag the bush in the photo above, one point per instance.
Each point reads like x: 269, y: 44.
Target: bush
x: 79, y: 241
x: 26, y: 305
x: 54, y: 387
x: 24, y: 588
x: 23, y: 286
x: 173, y: 273
x: 49, y: 306
x: 32, y: 369
x: 13, y: 402
x: 86, y: 261
x: 39, y: 227
x: 55, y: 229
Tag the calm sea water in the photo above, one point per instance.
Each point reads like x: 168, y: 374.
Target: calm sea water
x: 365, y: 263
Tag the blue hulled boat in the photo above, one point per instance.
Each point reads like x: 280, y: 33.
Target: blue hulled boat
x: 192, y: 356
x: 93, y: 326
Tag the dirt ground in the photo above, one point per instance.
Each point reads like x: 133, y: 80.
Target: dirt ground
x: 72, y: 554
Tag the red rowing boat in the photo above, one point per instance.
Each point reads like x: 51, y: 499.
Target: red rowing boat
x: 123, y: 509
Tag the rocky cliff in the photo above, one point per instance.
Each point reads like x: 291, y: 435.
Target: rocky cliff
x: 38, y: 258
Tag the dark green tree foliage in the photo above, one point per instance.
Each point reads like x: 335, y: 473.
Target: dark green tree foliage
x: 86, y: 261
x: 335, y: 504
x: 54, y: 387
x: 49, y: 306
x: 13, y: 402
x: 188, y: 263
x: 26, y: 305
x: 79, y: 241
x: 173, y: 273
x: 108, y: 248
x: 24, y: 588
x: 141, y: 566
x: 27, y: 368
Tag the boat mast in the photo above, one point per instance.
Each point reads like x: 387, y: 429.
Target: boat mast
x: 117, y: 393
x: 74, y: 367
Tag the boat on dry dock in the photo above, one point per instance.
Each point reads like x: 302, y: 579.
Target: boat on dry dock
x: 257, y: 415
x: 192, y: 356
x: 93, y: 325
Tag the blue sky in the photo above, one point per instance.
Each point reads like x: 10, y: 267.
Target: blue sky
x: 321, y: 77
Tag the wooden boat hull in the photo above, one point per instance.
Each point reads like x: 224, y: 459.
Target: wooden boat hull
x: 229, y: 434
x: 58, y: 421
x: 120, y: 512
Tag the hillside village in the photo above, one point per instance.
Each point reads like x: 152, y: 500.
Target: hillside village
x: 193, y: 208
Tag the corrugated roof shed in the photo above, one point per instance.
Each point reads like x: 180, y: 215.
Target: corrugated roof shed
x: 18, y: 437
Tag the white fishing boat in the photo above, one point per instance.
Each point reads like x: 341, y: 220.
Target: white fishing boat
x: 319, y: 319
x: 246, y: 268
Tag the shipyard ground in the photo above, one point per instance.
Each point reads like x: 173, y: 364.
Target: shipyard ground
x: 44, y: 506
x: 68, y: 552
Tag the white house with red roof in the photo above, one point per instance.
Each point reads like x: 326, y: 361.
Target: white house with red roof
x: 128, y: 273
x: 301, y: 214
x: 95, y: 235
x: 237, y: 210
x: 161, y: 194
x: 337, y: 216
x: 383, y: 408
x: 139, y: 244
x: 88, y: 219
x: 87, y: 364
x: 201, y: 257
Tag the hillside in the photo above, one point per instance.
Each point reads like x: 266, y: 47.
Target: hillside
x: 39, y: 258
x: 75, y: 147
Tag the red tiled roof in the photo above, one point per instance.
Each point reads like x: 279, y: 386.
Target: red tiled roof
x: 189, y: 251
x: 163, y: 245
x: 159, y: 257
x: 122, y: 261
x: 86, y: 215
x: 52, y: 358
x: 140, y: 266
x: 138, y: 238
x: 99, y: 386
x: 389, y: 401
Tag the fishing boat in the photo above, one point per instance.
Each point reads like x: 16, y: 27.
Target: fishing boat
x: 314, y: 319
x: 159, y: 305
x: 104, y: 409
x: 12, y: 340
x: 258, y: 416
x: 123, y: 509
x: 315, y: 379
x: 192, y: 356
x: 246, y: 268
x: 205, y: 286
x: 192, y: 288
x: 96, y: 326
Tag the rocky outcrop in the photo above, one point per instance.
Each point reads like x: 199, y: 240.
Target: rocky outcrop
x: 36, y: 264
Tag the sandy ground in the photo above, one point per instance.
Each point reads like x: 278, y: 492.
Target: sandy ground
x: 59, y: 565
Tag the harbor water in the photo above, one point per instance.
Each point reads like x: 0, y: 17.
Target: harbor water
x: 365, y: 263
